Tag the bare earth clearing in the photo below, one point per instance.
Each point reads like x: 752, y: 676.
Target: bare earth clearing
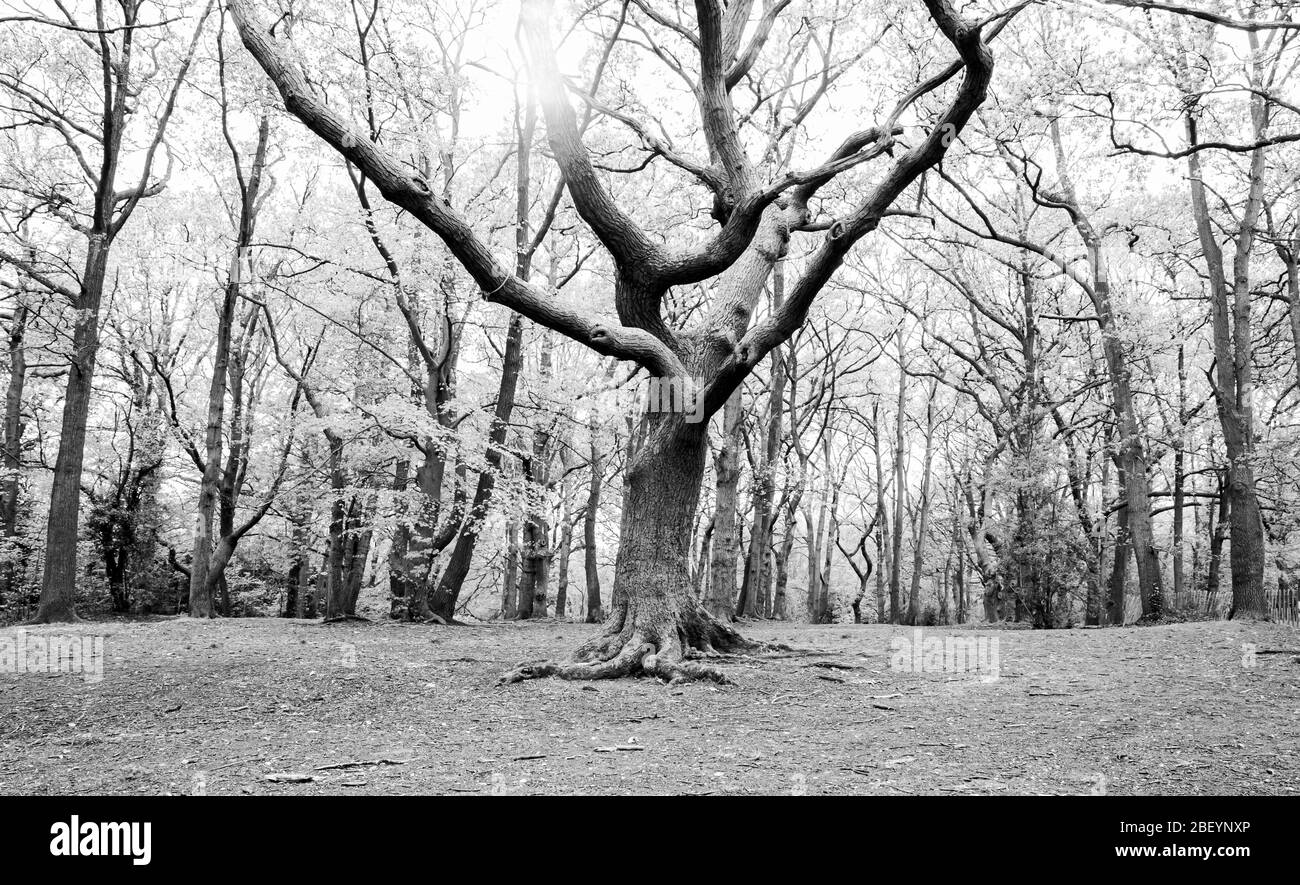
x: 217, y: 707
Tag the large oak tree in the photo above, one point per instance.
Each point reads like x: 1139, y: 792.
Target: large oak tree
x: 655, y: 623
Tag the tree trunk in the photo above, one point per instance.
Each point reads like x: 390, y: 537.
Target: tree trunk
x: 882, y: 532
x: 1180, y: 471
x: 720, y: 599
x: 655, y: 620
x: 399, y: 577
x: 758, y: 561
x: 1218, y: 534
x: 565, y: 552
x: 13, y: 435
x: 510, y: 572
x: 1230, y: 314
x: 896, y: 614
x: 535, y: 566
x: 356, y: 554
x: 1116, y: 601
x: 444, y: 598
x: 923, y: 521
x: 336, y: 593
x: 202, y: 580
x: 59, y: 580
x: 595, y: 612
x: 536, y: 571
x: 1132, y: 452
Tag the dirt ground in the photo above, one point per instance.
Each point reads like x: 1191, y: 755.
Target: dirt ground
x: 282, y: 707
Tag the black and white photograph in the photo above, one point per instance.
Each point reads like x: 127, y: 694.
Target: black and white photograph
x: 889, y: 405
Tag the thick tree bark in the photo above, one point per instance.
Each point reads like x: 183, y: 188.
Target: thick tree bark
x: 655, y: 625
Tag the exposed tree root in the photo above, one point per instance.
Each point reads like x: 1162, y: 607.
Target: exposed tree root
x: 636, y: 658
x: 343, y: 619
x: 665, y: 644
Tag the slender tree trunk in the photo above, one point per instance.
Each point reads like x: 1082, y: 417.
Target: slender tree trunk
x: 299, y: 577
x: 356, y: 553
x: 336, y: 593
x: 1180, y: 470
x: 1230, y: 314
x: 883, y: 566
x: 758, y: 561
x: 444, y: 598
x: 399, y: 576
x: 923, y: 517
x: 202, y: 580
x: 565, y: 552
x: 536, y: 564
x: 896, y: 614
x: 13, y: 435
x: 595, y: 611
x: 510, y: 572
x: 1116, y: 603
x: 1131, y: 449
x: 720, y: 600
x: 1218, y: 534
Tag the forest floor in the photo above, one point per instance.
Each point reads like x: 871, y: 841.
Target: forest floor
x: 282, y: 707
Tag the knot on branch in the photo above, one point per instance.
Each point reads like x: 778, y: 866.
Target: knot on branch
x: 837, y: 230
